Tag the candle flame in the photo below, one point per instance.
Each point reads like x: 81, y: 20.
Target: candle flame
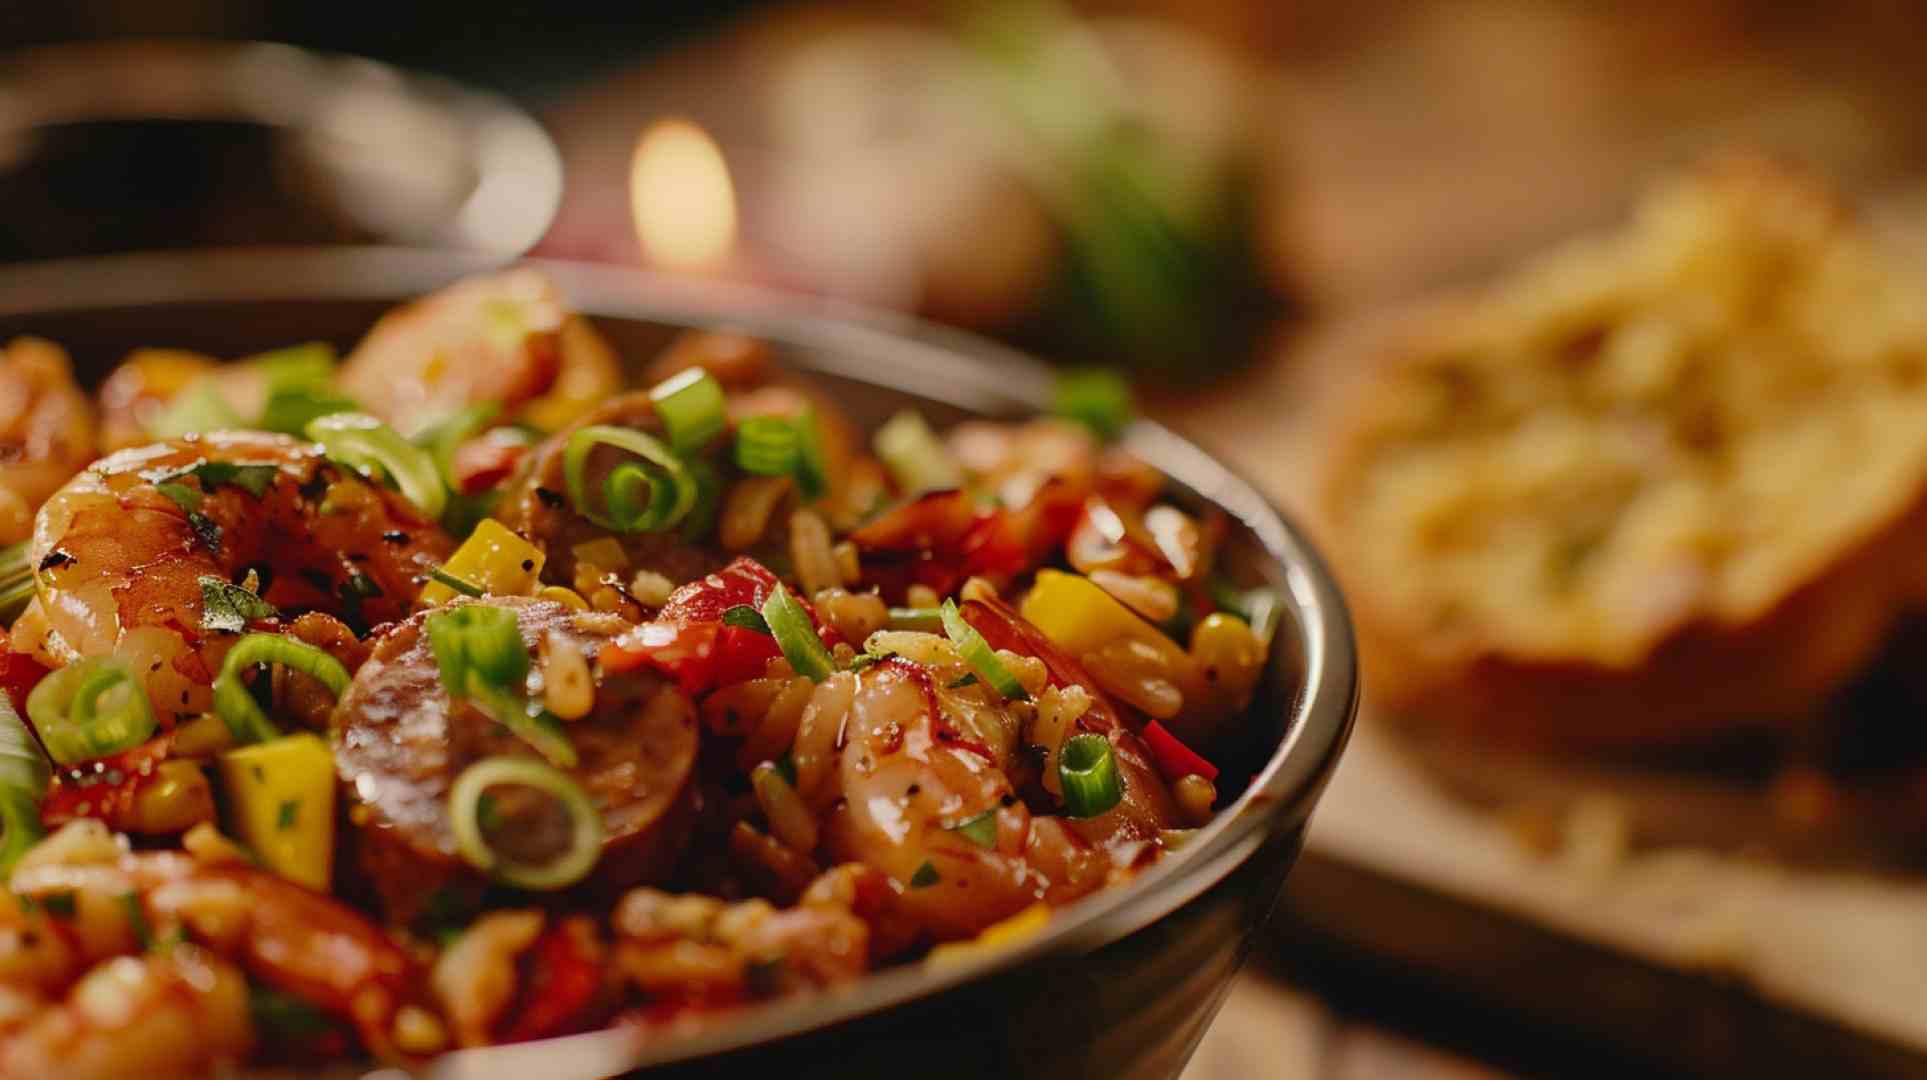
x: 680, y: 197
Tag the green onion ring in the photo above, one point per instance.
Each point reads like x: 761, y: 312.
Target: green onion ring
x: 234, y: 704
x: 768, y: 446
x: 464, y: 814
x: 24, y: 775
x: 709, y: 498
x: 812, y: 472
x: 796, y: 636
x: 917, y: 460
x: 364, y: 444
x: 692, y: 408
x: 483, y: 660
x: 979, y: 655
x: 1087, y: 768
x: 67, y: 710
x: 656, y: 465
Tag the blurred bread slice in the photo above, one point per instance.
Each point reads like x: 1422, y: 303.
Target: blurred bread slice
x: 1665, y: 484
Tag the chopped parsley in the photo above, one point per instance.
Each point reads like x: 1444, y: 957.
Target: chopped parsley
x: 967, y: 679
x: 925, y: 877
x: 288, y: 815
x: 229, y: 607
x: 59, y: 904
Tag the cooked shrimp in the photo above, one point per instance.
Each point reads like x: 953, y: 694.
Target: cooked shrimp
x: 915, y: 767
x: 46, y: 430
x: 298, y: 941
x: 174, y: 1012
x: 121, y: 551
x: 505, y: 338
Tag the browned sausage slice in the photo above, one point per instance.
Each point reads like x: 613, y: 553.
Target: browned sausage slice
x: 400, y: 743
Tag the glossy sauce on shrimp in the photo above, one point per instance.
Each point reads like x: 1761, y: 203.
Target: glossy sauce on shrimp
x: 123, y: 552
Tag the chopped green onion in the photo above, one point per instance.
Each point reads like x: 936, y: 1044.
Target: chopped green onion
x: 442, y: 437
x: 300, y: 387
x: 746, y: 617
x: 918, y: 461
x: 459, y: 584
x: 198, y: 407
x: 812, y: 472
x: 478, y: 639
x: 709, y: 498
x: 796, y: 636
x: 648, y: 492
x: 979, y: 655
x: 484, y: 661
x: 585, y: 824
x: 979, y: 829
x: 24, y: 775
x: 1087, y: 769
x: 366, y: 444
x: 767, y: 446
x: 691, y: 406
x: 927, y: 620
x: 234, y: 704
x: 16, y: 580
x: 89, y: 709
x: 925, y: 876
x: 1098, y: 398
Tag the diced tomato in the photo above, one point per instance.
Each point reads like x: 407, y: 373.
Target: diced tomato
x: 1174, y: 759
x: 103, y: 789
x: 689, y: 640
x: 563, y: 988
x: 484, y: 462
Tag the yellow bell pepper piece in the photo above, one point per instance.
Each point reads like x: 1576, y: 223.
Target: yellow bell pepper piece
x: 1082, y: 618
x: 1011, y: 931
x: 281, y: 804
x: 495, y: 559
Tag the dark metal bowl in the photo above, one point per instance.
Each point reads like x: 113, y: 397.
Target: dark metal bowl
x: 1122, y: 984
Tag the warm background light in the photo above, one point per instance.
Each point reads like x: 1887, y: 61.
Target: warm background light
x: 680, y: 197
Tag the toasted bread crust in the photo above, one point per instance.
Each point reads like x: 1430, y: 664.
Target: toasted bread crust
x: 1562, y: 547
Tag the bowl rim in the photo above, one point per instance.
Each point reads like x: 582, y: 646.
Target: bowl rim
x: 850, y: 341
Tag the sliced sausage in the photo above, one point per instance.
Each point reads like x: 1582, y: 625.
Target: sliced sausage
x: 400, y: 743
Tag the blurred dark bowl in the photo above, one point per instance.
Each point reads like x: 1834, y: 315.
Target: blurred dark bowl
x: 142, y: 145
x: 1121, y: 985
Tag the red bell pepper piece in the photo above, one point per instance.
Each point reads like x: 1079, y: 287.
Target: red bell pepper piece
x: 563, y: 989
x: 1174, y: 759
x: 689, y: 640
x: 103, y: 789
